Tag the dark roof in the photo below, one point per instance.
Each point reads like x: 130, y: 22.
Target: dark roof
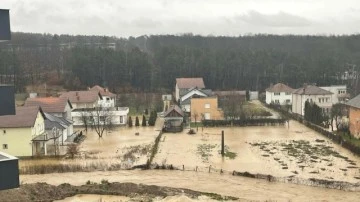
x: 174, y: 108
x: 59, y: 120
x: 280, y: 87
x: 25, y: 117
x: 102, y: 91
x: 81, y: 96
x: 355, y: 102
x: 190, y: 82
x: 49, y: 125
x: 311, y: 90
x: 49, y: 104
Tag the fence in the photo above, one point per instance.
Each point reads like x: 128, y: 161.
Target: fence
x: 244, y: 122
x: 289, y: 179
x: 335, y: 138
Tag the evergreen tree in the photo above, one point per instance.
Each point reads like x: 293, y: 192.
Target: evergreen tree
x: 143, y: 121
x: 137, y: 121
x: 130, y: 122
x: 152, y: 118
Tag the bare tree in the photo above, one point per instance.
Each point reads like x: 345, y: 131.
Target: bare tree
x: 72, y: 150
x: 101, y: 120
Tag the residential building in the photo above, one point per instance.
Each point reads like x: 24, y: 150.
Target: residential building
x: 82, y: 99
x: 311, y: 93
x: 205, y: 108
x: 339, y: 93
x: 23, y: 134
x: 9, y: 171
x: 174, y: 118
x: 89, y: 105
x: 64, y: 127
x: 279, y: 94
x: 115, y: 115
x: 354, y: 116
x: 108, y: 98
x: 185, y: 84
x: 185, y: 98
x: 56, y: 106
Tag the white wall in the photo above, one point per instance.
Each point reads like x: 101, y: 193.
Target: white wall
x: 282, y: 98
x: 191, y: 93
x: 336, y: 90
x: 298, y: 105
x: 107, y: 101
x: 114, y: 114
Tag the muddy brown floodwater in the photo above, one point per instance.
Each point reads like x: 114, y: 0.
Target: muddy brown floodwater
x: 244, y: 188
x: 121, y: 147
x: 276, y: 150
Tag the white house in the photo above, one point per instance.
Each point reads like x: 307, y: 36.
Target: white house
x: 183, y: 85
x: 339, y: 95
x: 280, y: 94
x: 64, y: 127
x: 108, y: 98
x: 82, y: 99
x: 319, y: 96
x: 115, y: 115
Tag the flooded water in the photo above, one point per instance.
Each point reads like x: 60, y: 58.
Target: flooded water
x: 102, y: 153
x: 244, y: 188
x: 270, y: 156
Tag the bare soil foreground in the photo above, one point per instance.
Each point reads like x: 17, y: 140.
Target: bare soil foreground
x: 133, y: 192
x: 246, y: 189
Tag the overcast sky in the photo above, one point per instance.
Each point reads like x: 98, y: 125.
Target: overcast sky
x: 125, y: 18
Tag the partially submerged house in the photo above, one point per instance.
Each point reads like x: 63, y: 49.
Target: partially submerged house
x: 354, y: 116
x: 58, y: 127
x: 279, y: 94
x: 183, y: 85
x: 313, y: 94
x: 185, y: 98
x: 108, y: 98
x: 205, y: 108
x: 88, y: 105
x: 23, y: 134
x: 174, y: 118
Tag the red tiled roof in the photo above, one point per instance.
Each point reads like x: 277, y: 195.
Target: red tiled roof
x: 102, y: 91
x: 81, y: 96
x: 24, y: 117
x: 49, y: 104
x: 280, y: 87
x: 190, y: 83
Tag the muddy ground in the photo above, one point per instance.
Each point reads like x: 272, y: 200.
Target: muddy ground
x: 272, y: 150
x: 136, y: 192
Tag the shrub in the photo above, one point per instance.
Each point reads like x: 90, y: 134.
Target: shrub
x: 143, y: 121
x: 137, y: 121
x: 130, y: 122
x: 72, y: 150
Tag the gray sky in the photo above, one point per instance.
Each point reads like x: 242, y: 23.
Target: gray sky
x: 125, y: 18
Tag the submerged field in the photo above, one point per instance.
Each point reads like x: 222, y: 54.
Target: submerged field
x: 275, y: 150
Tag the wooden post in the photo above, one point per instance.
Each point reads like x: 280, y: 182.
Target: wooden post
x: 196, y: 168
x: 209, y: 168
x: 222, y: 144
x: 183, y: 167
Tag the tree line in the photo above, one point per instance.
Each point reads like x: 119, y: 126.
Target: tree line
x: 151, y: 63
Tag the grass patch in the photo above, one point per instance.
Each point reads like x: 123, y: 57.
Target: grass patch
x: 230, y: 155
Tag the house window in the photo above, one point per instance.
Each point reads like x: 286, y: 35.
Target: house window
x: 277, y: 102
x: 276, y: 94
x: 4, y: 132
x: 5, y: 146
x: 102, y: 118
x: 287, y: 93
x: 207, y: 116
x: 287, y: 101
x: 207, y: 106
x: 121, y: 119
x: 319, y: 100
